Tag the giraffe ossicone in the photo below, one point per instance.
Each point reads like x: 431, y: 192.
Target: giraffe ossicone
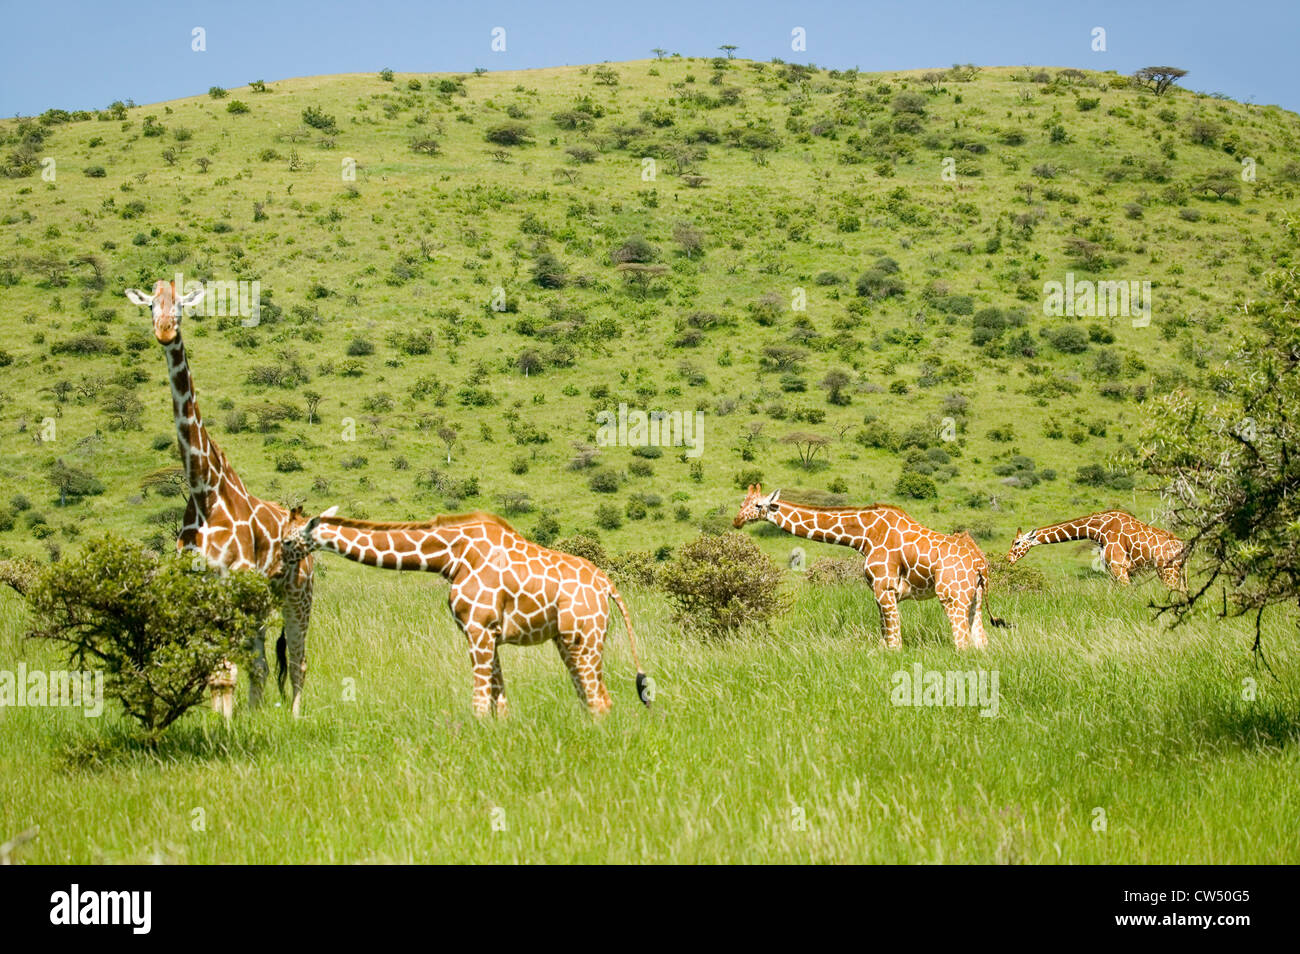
x: 505, y: 590
x: 904, y: 560
x: 224, y: 523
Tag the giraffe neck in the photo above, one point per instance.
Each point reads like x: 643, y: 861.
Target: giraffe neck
x: 439, y: 549
x: 1083, y: 528
x: 843, y: 527
x: 206, y: 468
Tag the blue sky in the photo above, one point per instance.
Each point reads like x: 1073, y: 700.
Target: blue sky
x: 79, y: 55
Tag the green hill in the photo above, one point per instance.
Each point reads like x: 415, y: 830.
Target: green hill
x: 919, y: 217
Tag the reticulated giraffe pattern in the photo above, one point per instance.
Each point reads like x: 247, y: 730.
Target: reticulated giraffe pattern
x: 1127, y: 544
x: 904, y: 560
x: 505, y: 589
x: 228, y: 526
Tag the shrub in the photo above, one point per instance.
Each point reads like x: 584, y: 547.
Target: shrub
x: 608, y: 517
x: 638, y: 567
x: 833, y: 570
x: 1068, y: 339
x: 914, y: 485
x: 156, y: 628
x: 585, y: 546
x: 721, y: 582
x: 604, y: 481
x: 508, y: 134
x: 1015, y: 578
x: 236, y: 106
x: 317, y: 118
x: 547, y: 529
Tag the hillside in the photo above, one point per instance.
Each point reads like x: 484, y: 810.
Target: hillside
x: 923, y: 355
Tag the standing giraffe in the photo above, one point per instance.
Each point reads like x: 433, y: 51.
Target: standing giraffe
x: 504, y: 589
x: 904, y: 560
x: 1127, y: 544
x: 230, y: 527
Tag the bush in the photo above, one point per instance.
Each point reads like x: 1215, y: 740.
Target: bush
x: 721, y: 582
x: 914, y: 485
x: 608, y: 517
x: 155, y: 627
x: 582, y: 545
x: 508, y: 134
x: 833, y: 570
x: 604, y: 481
x: 1015, y: 578
x: 636, y: 567
x: 547, y: 529
x: 1069, y: 339
x: 317, y: 118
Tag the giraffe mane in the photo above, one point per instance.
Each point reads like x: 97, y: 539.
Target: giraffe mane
x: 874, y: 506
x: 441, y: 520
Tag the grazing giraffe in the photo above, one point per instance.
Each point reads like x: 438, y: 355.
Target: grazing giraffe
x: 232, y: 529
x: 504, y: 590
x: 1127, y: 544
x: 904, y: 560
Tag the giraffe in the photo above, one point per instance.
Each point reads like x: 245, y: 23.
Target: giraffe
x: 1127, y: 544
x: 228, y: 526
x: 505, y: 589
x: 904, y: 560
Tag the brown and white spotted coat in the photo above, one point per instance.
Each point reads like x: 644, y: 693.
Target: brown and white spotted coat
x: 1127, y: 544
x: 223, y: 522
x: 505, y: 589
x: 904, y: 560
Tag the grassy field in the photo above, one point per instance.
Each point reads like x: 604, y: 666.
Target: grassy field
x: 780, y: 746
x: 862, y: 258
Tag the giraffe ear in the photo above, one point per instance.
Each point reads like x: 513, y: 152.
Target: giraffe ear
x: 331, y: 511
x: 137, y: 297
x: 776, y: 495
x: 192, y: 299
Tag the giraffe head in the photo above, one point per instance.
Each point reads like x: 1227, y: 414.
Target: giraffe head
x: 756, y: 505
x: 1020, y: 546
x: 166, y: 307
x: 299, y: 539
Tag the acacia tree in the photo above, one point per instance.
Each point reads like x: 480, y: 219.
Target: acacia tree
x: 808, y: 445
x: 1158, y: 79
x: 1230, y: 466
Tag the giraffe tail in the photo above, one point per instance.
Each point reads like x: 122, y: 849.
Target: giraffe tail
x: 993, y: 620
x: 643, y: 689
x: 281, y: 662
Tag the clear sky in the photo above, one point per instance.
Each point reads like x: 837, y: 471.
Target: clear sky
x: 79, y: 55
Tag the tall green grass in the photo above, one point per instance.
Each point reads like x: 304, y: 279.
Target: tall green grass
x: 777, y: 746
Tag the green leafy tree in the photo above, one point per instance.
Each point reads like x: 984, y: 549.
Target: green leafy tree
x: 156, y: 627
x: 1229, y: 468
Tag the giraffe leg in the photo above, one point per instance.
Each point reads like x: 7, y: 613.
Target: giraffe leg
x: 482, y: 656
x: 500, y: 707
x: 296, y: 612
x: 257, y: 670
x: 957, y: 616
x: 1172, y: 577
x: 581, y: 652
x: 890, y: 626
